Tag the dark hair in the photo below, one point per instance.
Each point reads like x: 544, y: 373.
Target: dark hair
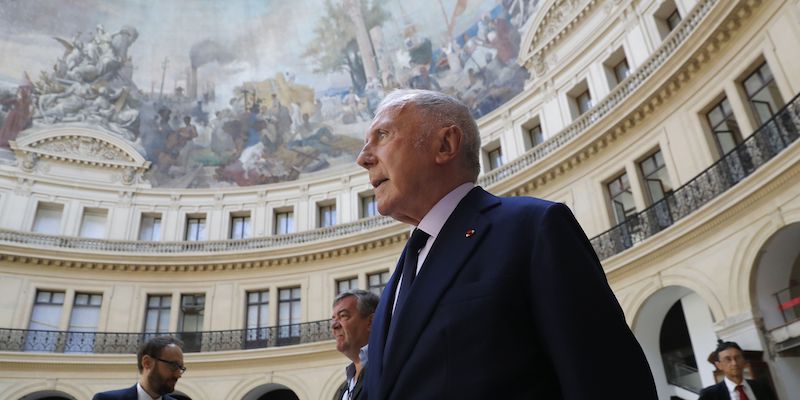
x: 153, y: 348
x: 366, y: 301
x: 722, y: 346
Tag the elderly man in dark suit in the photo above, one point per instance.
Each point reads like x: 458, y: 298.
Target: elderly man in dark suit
x: 160, y: 362
x: 492, y: 298
x: 729, y: 358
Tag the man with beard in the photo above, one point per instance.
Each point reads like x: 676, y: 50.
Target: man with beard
x: 160, y: 362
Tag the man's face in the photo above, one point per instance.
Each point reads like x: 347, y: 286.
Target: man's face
x: 399, y: 163
x: 731, y: 362
x: 162, y: 376
x: 350, y: 328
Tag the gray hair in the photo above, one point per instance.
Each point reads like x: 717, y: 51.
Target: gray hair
x: 439, y: 110
x: 366, y: 301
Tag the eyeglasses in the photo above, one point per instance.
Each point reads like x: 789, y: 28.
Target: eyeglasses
x: 174, y: 366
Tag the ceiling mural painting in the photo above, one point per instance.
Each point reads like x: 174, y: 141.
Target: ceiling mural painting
x: 245, y: 92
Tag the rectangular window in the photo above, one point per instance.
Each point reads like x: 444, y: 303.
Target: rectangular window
x: 667, y: 18
x: 48, y: 218
x: 724, y: 127
x: 377, y: 281
x: 289, y: 315
x: 93, y: 224
x: 535, y: 136
x: 150, y: 227
x: 495, y: 158
x: 83, y: 323
x: 46, y: 316
x: 258, y: 334
x: 240, y: 227
x: 621, y: 70
x: 190, y: 324
x: 584, y: 102
x: 673, y: 19
x: 762, y: 93
x: 284, y: 222
x: 327, y: 215
x: 157, y: 314
x: 656, y: 177
x: 619, y: 189
x: 195, y: 228
x: 343, y: 285
x: 368, y: 206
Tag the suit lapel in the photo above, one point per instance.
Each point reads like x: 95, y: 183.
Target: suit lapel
x: 449, y: 253
x: 383, y: 315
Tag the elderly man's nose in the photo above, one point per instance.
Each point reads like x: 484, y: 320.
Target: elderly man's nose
x: 365, y: 158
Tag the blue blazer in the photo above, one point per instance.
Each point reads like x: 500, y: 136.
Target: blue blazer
x: 761, y: 389
x: 519, y: 309
x: 124, y: 394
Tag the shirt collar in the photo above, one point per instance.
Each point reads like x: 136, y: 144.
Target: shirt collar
x: 434, y: 220
x: 362, y: 355
x: 350, y: 370
x: 732, y: 386
x: 142, y: 394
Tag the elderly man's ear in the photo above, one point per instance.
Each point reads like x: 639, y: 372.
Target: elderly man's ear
x: 448, y: 140
x: 369, y: 321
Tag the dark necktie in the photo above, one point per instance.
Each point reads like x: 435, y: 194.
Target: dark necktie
x: 742, y: 394
x: 414, y: 245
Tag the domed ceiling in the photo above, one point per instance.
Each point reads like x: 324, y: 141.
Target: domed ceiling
x: 246, y: 92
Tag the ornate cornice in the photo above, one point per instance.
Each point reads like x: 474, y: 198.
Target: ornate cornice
x: 79, y: 144
x: 553, y: 23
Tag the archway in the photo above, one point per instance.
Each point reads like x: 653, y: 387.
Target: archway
x: 675, y: 328
x: 272, y: 391
x: 776, y: 290
x: 47, y: 395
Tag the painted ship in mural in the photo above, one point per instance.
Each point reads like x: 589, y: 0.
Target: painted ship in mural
x: 210, y: 114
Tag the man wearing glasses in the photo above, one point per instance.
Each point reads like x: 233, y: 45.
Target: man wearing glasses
x: 160, y: 362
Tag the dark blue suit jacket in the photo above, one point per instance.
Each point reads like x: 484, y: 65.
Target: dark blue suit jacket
x: 520, y: 309
x: 124, y: 394
x: 762, y: 390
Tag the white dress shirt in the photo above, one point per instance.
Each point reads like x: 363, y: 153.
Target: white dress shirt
x: 433, y: 222
x: 734, y: 394
x: 142, y: 394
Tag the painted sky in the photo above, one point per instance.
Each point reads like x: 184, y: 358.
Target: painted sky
x: 267, y: 36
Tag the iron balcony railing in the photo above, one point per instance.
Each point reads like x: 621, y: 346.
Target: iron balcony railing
x: 765, y: 143
x: 123, y: 343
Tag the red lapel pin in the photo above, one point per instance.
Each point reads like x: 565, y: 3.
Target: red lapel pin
x: 469, y: 233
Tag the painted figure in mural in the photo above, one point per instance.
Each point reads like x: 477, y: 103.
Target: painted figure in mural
x: 87, y: 84
x: 310, y: 121
x: 279, y: 122
x: 423, y: 80
x: 18, y: 117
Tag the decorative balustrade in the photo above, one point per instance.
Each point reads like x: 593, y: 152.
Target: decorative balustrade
x: 621, y: 92
x: 769, y: 140
x: 209, y: 246
x: 194, y: 342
